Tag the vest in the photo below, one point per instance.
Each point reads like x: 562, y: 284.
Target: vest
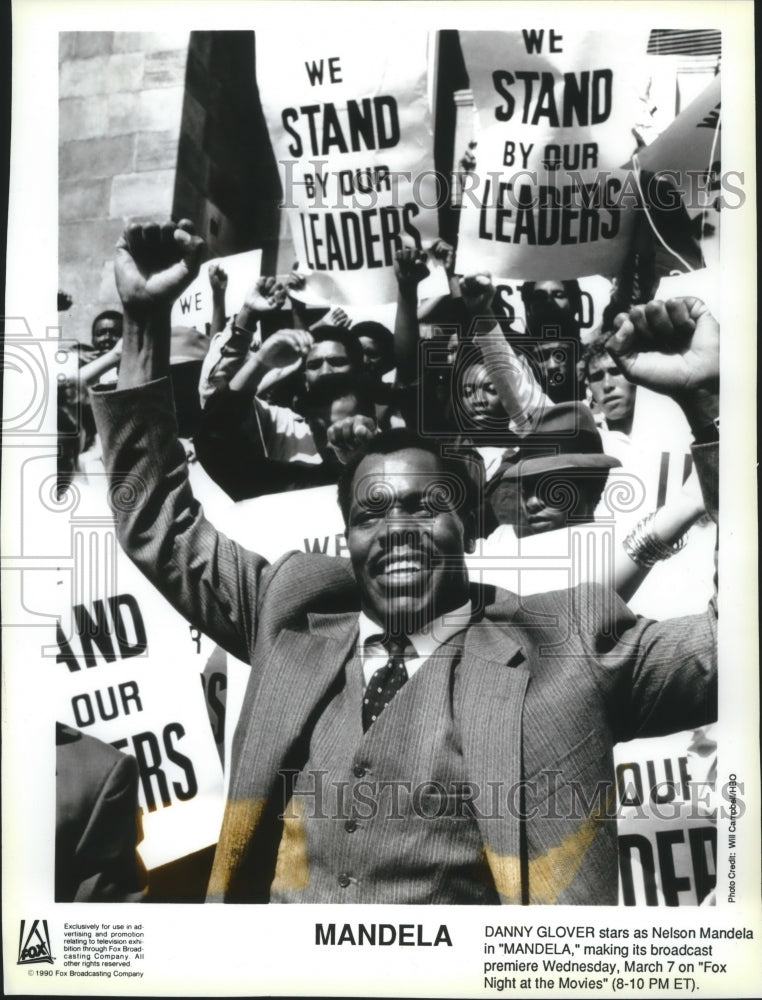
x: 382, y: 816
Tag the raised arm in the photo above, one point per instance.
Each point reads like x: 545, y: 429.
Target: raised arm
x: 282, y: 355
x: 92, y: 371
x: 218, y: 280
x: 214, y: 583
x: 232, y: 348
x: 410, y: 269
x: 656, y: 537
x: 661, y: 677
x: 519, y: 392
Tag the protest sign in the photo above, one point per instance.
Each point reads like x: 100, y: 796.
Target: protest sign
x: 555, y: 112
x: 302, y: 521
x: 127, y: 670
x: 350, y: 126
x: 194, y: 307
x: 666, y: 819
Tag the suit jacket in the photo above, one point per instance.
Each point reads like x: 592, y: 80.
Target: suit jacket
x: 97, y: 825
x: 547, y: 684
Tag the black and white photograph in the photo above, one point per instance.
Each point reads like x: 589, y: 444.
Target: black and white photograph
x: 368, y: 537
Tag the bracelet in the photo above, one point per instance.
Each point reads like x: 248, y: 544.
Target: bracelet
x: 645, y: 548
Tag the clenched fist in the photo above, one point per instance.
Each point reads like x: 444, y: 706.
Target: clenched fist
x: 154, y: 264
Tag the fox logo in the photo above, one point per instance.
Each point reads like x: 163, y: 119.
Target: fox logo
x: 34, y: 946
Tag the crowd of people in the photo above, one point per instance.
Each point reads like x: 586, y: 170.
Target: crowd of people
x: 393, y: 669
x: 453, y: 430
x: 273, y: 395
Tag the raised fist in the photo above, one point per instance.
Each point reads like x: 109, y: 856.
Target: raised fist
x: 672, y: 347
x: 477, y: 292
x: 218, y: 279
x: 410, y: 266
x: 286, y: 348
x: 154, y: 264
x: 346, y: 435
x: 265, y: 295
x: 444, y: 252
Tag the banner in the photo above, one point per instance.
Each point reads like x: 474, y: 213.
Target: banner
x: 194, y: 307
x: 555, y: 111
x: 126, y: 669
x: 689, y: 153
x: 350, y: 125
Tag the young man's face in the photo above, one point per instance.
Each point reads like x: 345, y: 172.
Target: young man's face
x: 557, y: 364
x: 548, y: 302
x: 106, y: 334
x: 550, y: 499
x: 327, y: 357
x: 406, y: 542
x: 612, y: 393
x: 373, y: 356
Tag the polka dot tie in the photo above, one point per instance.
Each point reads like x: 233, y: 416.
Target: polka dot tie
x: 386, y: 681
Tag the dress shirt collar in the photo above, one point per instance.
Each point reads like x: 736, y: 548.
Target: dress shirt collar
x: 425, y: 643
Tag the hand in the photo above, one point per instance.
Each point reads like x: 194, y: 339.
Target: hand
x: 348, y: 434
x: 295, y: 282
x: 218, y: 279
x: 336, y: 317
x: 264, y: 296
x: 116, y: 350
x: 672, y: 348
x: 444, y: 252
x: 287, y: 348
x: 468, y: 160
x: 410, y: 267
x: 154, y: 265
x: 477, y: 293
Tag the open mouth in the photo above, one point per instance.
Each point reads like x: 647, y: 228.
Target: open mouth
x: 402, y: 570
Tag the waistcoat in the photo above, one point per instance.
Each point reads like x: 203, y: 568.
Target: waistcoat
x: 382, y: 816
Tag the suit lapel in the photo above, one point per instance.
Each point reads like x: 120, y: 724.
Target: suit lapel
x: 300, y: 670
x: 493, y: 684
x: 272, y: 737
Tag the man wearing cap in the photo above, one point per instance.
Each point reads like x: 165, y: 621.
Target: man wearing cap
x: 406, y: 737
x: 561, y: 470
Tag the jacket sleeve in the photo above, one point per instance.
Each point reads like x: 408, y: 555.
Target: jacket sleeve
x: 213, y: 582
x: 656, y: 677
x: 97, y: 822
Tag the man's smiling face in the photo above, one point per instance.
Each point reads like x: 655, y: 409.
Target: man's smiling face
x: 406, y: 541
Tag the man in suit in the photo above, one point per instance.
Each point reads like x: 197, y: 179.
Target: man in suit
x: 97, y: 822
x: 476, y: 766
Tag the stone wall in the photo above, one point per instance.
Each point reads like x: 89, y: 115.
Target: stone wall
x: 120, y: 105
x: 157, y: 126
